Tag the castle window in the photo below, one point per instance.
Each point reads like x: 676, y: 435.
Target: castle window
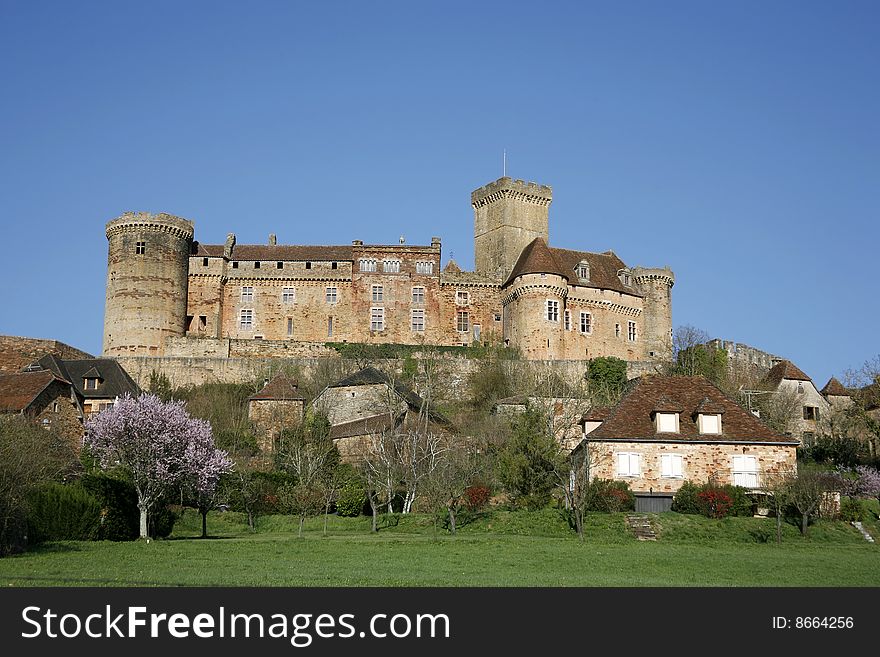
x: 235, y: 264
x: 745, y: 471
x: 800, y: 387
x: 418, y: 295
x: 425, y: 267
x: 811, y: 413
x: 203, y: 322
x: 477, y: 331
x: 391, y: 266
x: 497, y: 317
x: 289, y: 327
x: 90, y: 384
x: 463, y: 321
x: 587, y: 323
x: 54, y: 407
x: 246, y: 320
x: 377, y: 319
x: 462, y: 298
x: 625, y: 277
x: 378, y: 293
x: 329, y: 327
x: 709, y: 423
x: 308, y: 265
x: 279, y: 265
x: 367, y: 264
x: 552, y: 310
x: 247, y: 294
x: 140, y: 248
x: 334, y: 265
x: 418, y: 319
x: 256, y: 264
x: 631, y: 331
x: 617, y: 330
x: 583, y: 270
x: 567, y: 316
x: 204, y: 262
x: 288, y: 295
x: 330, y: 294
x: 671, y: 466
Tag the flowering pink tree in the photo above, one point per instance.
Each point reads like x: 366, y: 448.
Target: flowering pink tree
x: 153, y: 440
x: 205, y: 464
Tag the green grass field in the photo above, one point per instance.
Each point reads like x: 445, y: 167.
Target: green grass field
x: 494, y: 549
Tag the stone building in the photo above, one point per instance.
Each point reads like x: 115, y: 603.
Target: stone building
x: 670, y: 429
x: 551, y: 303
x: 786, y: 378
x: 278, y: 406
x: 47, y: 399
x: 16, y: 353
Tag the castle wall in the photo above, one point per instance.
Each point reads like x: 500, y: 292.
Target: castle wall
x: 348, y: 403
x: 17, y: 353
x: 272, y: 416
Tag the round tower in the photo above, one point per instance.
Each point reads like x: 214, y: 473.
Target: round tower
x: 534, y: 309
x: 147, y: 273
x: 656, y: 330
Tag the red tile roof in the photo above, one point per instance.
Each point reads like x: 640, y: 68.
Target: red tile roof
x: 281, y: 387
x: 18, y: 391
x: 835, y: 388
x: 632, y: 418
x: 365, y: 426
x: 539, y: 258
x: 784, y: 369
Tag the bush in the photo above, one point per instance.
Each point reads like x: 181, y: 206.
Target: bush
x: 350, y: 500
x: 609, y: 496
x: 714, y: 503
x: 58, y: 512
x: 118, y: 500
x: 161, y: 519
x: 476, y: 497
x: 685, y: 500
x: 852, y: 510
x: 688, y: 500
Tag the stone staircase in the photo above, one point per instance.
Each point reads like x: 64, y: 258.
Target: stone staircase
x: 642, y: 527
x: 864, y: 531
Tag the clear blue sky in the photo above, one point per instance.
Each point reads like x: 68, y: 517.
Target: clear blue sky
x: 738, y: 143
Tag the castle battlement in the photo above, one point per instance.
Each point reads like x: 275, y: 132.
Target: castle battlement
x: 527, y: 192
x: 137, y: 221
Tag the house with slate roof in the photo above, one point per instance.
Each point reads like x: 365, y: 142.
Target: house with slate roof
x: 786, y: 378
x: 278, y: 406
x: 47, y: 399
x: 670, y: 429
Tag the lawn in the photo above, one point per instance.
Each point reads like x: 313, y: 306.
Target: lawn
x: 494, y: 549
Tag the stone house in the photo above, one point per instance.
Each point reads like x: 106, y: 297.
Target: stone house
x: 278, y: 406
x: 370, y: 402
x: 785, y: 378
x: 47, y: 399
x: 166, y: 291
x: 670, y: 429
x: 564, y: 414
x: 97, y: 382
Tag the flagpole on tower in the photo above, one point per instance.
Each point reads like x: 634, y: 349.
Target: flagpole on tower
x: 505, y: 162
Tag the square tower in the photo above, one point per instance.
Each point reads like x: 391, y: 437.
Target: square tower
x: 508, y: 215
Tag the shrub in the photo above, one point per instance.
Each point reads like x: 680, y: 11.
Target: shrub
x: 609, y: 496
x: 118, y: 500
x: 58, y: 512
x: 741, y: 503
x: 476, y: 497
x: 161, y: 519
x: 685, y: 500
x: 852, y: 510
x: 714, y: 503
x: 350, y: 500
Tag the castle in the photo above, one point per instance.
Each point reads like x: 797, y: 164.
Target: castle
x: 164, y: 290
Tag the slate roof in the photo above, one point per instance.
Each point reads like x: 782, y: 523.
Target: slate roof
x: 20, y: 389
x: 596, y: 414
x: 835, y: 388
x: 115, y: 381
x: 632, y: 418
x: 539, y: 258
x: 365, y: 426
x: 280, y: 388
x: 270, y: 252
x: 784, y: 369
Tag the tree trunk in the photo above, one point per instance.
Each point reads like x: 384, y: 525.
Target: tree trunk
x: 779, y: 525
x: 143, y: 509
x: 204, y: 513
x: 326, y: 514
x: 374, y: 528
x: 451, y: 520
x: 805, y: 520
x: 302, y: 520
x: 579, y: 522
x: 250, y: 519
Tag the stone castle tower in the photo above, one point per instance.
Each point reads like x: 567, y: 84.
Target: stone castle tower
x: 656, y: 286
x: 508, y: 215
x: 147, y: 279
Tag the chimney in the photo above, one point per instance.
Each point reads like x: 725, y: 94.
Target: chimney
x: 357, y: 242
x: 272, y: 240
x: 230, y: 244
x: 435, y: 241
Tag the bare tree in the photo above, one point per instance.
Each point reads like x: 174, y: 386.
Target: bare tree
x: 779, y: 488
x: 685, y: 341
x: 379, y: 469
x: 806, y: 492
x: 462, y: 464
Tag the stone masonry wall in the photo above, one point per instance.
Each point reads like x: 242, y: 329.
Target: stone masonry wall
x: 349, y: 403
x: 55, y: 409
x: 17, y: 353
x: 272, y: 416
x: 700, y: 461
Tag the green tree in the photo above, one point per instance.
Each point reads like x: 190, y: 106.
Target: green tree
x: 607, y: 378
x: 529, y: 463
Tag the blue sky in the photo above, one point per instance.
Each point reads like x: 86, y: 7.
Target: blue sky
x: 739, y: 143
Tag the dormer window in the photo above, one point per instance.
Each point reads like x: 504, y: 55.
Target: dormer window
x: 90, y: 383
x: 583, y: 270
x: 666, y: 422
x: 709, y: 423
x: 625, y: 277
